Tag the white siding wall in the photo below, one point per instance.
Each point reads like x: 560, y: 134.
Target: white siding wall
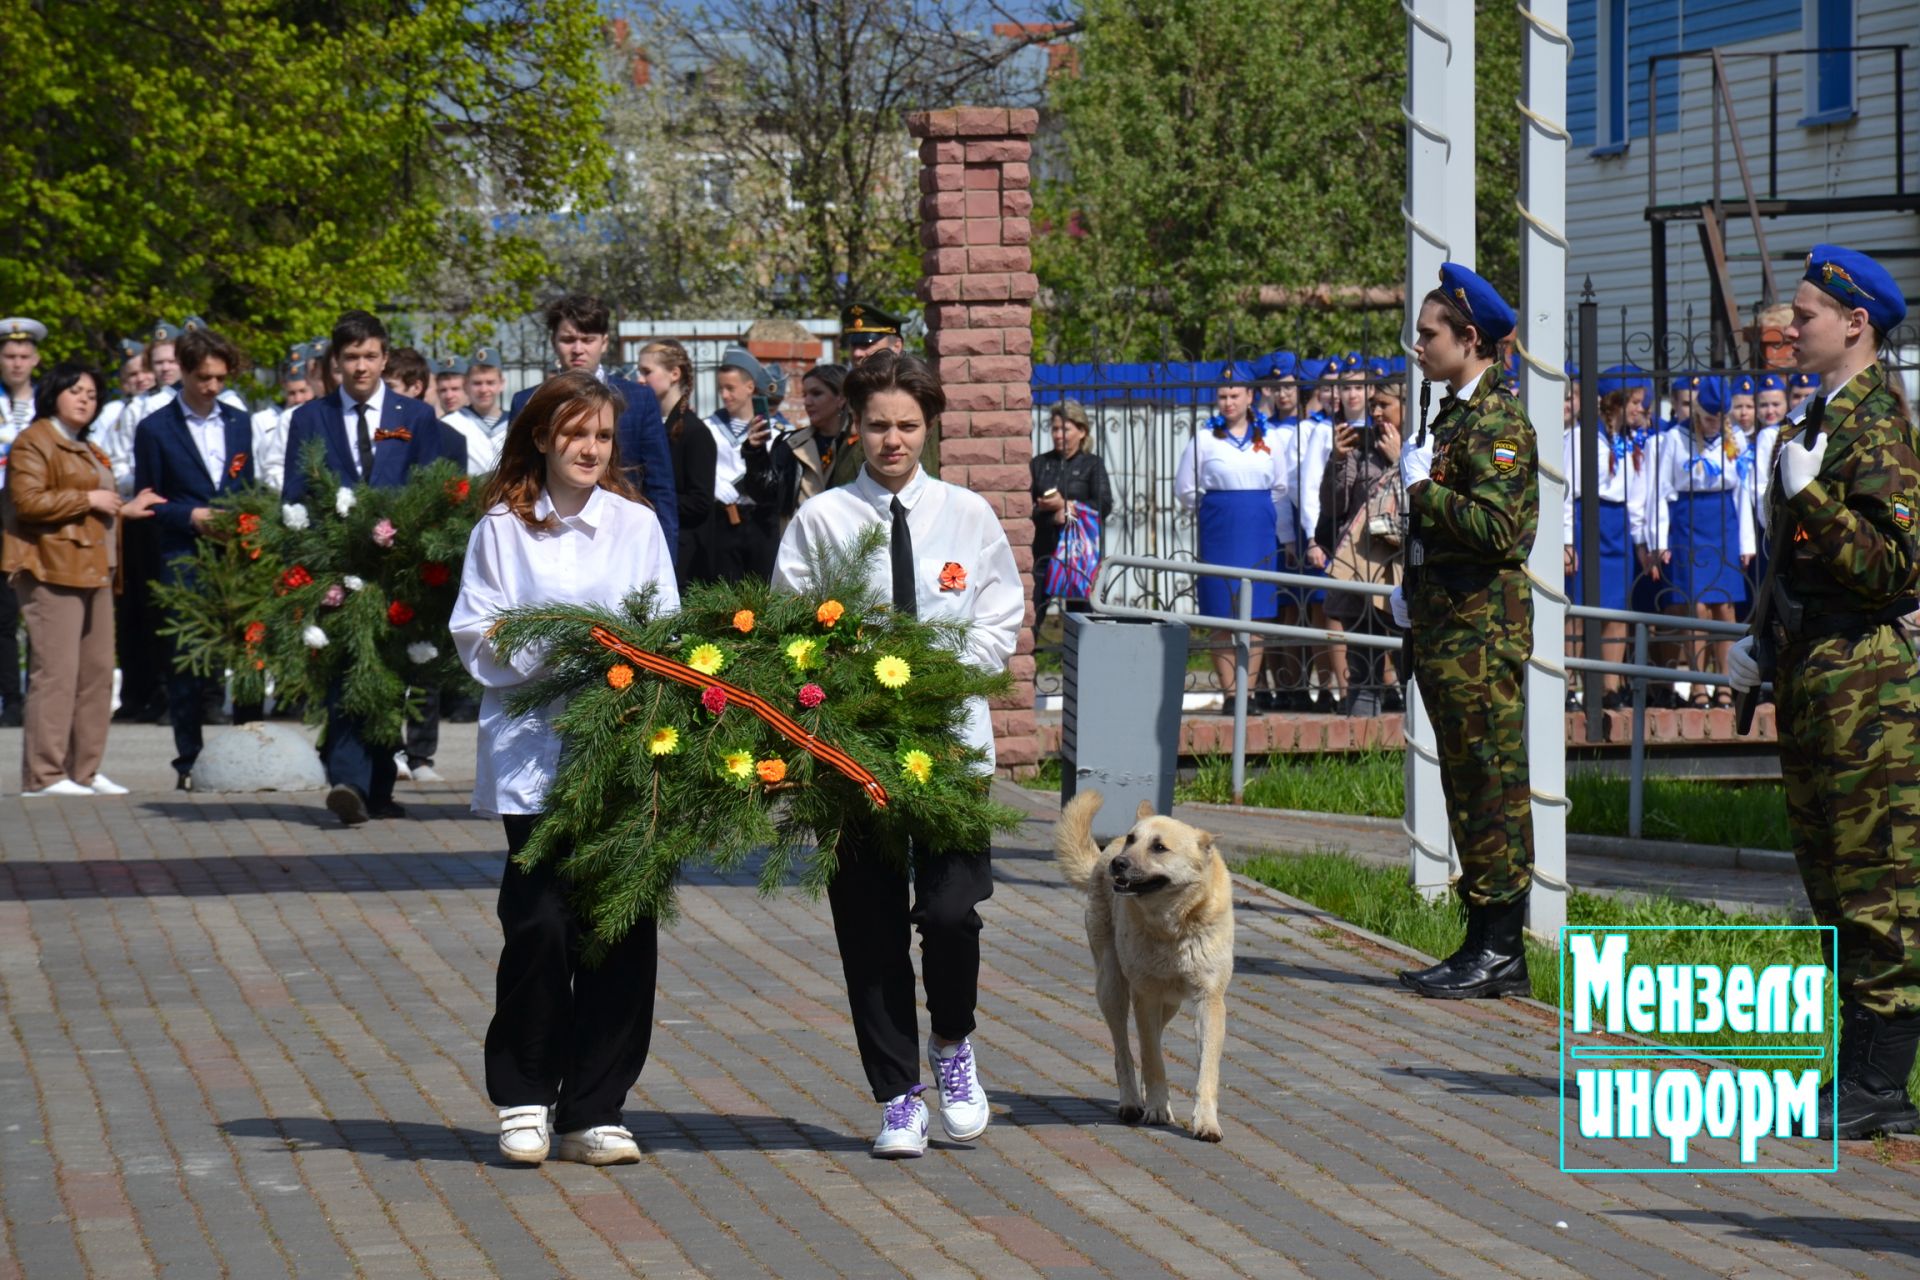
x: 1606, y: 197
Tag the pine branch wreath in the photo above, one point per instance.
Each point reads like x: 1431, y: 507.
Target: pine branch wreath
x: 657, y: 775
x: 352, y: 588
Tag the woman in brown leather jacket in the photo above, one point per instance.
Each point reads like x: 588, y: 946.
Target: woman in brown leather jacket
x: 61, y: 552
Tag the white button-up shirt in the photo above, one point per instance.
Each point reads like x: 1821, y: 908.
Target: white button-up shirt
x: 209, y: 438
x: 948, y: 524
x: 613, y: 547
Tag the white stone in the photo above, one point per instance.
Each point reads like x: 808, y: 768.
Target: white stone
x: 266, y: 755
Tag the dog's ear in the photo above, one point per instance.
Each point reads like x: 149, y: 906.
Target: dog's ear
x: 1144, y: 811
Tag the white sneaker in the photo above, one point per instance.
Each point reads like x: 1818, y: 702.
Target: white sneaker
x: 102, y: 785
x: 401, y: 771
x: 903, y: 1127
x: 963, y: 1103
x: 602, y: 1144
x: 426, y: 773
x: 524, y: 1136
x: 64, y: 787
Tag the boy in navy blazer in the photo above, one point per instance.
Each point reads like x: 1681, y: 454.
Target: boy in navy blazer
x: 580, y: 326
x: 369, y: 435
x: 190, y: 451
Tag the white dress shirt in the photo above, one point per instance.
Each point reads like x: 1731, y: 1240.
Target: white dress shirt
x: 613, y: 547
x: 1685, y: 465
x: 1623, y: 478
x: 270, y: 445
x: 1209, y: 464
x: 352, y: 420
x: 209, y: 438
x: 948, y: 524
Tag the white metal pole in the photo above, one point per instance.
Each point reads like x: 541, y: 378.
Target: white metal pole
x: 1542, y: 346
x: 1439, y: 215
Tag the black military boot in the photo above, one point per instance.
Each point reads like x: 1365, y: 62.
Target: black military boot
x: 1876, y: 1056
x: 1497, y: 968
x: 1476, y: 934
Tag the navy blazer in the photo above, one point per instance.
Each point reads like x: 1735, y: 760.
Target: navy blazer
x: 393, y: 460
x: 167, y: 461
x: 644, y: 450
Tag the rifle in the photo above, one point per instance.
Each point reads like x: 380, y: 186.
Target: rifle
x: 1760, y: 621
x: 1413, y: 517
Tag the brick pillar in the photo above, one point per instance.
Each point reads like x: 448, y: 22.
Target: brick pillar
x: 976, y: 278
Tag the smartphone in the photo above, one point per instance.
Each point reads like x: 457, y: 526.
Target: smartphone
x: 760, y: 409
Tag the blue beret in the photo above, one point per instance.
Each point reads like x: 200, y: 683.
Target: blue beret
x: 1352, y: 362
x: 1741, y: 385
x: 1856, y: 280
x: 164, y: 332
x: 1712, y: 395
x: 1236, y: 371
x: 484, y: 357
x: 1313, y: 370
x: 453, y: 365
x: 1804, y: 381
x: 1477, y: 300
x: 1399, y: 364
x: 1380, y: 367
x: 1625, y: 377
x: 738, y: 357
x: 1282, y: 364
x: 191, y: 323
x: 128, y: 348
x: 1771, y: 382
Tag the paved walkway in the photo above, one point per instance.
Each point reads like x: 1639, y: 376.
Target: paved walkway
x: 246, y: 1042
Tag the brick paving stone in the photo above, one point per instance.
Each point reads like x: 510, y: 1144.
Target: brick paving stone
x: 257, y: 1037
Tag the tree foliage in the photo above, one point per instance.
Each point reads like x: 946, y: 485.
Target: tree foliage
x: 1209, y: 147
x: 266, y: 163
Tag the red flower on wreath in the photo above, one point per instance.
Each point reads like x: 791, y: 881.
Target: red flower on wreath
x: 459, y: 489
x: 399, y: 613
x: 238, y: 465
x: 255, y: 632
x: 248, y: 522
x: 295, y: 578
x: 434, y: 573
x: 812, y: 695
x: 714, y: 699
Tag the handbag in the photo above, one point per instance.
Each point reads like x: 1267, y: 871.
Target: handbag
x: 1076, y: 557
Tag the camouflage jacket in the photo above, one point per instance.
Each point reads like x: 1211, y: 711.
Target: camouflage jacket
x: 1853, y: 547
x: 1483, y: 506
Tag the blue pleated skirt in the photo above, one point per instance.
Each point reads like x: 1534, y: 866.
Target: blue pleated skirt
x: 1616, y: 556
x: 1236, y: 528
x: 1703, y: 532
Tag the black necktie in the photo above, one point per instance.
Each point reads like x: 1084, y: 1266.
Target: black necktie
x: 902, y: 551
x: 366, y: 440
x: 1816, y: 414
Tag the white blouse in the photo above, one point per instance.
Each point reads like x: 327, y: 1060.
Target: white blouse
x: 948, y: 524
x: 613, y: 547
x: 1684, y: 465
x: 1209, y: 464
x: 1620, y: 481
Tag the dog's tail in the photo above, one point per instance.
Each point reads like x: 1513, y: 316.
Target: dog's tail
x: 1073, y: 843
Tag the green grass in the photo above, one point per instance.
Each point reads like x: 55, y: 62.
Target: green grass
x: 1381, y: 900
x: 1371, y: 784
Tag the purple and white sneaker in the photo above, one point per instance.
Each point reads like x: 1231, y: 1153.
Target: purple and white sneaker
x: 963, y: 1103
x: 903, y: 1130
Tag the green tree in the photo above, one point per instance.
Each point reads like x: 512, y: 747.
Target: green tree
x: 1208, y: 148
x: 266, y: 163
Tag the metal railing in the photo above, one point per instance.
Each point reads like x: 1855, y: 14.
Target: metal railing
x: 1640, y: 671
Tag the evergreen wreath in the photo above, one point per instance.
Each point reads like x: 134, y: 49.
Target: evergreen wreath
x: 354, y: 586
x: 661, y: 772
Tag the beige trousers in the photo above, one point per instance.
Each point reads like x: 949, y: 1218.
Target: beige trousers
x: 69, y: 680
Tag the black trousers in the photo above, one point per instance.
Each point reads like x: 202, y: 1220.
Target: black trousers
x: 870, y: 921
x: 423, y: 735
x: 744, y: 550
x: 143, y: 664
x: 10, y: 695
x: 563, y: 1032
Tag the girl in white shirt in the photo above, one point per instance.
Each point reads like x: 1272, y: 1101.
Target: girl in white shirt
x: 562, y: 525
x: 1625, y: 481
x: 934, y: 529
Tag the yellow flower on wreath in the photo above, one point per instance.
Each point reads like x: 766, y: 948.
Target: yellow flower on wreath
x: 665, y: 741
x: 892, y: 672
x: 917, y: 765
x: 739, y: 764
x: 801, y: 652
x: 706, y: 659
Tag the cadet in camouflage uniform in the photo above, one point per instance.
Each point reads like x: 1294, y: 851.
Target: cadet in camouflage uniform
x: 1846, y: 683
x: 1473, y: 499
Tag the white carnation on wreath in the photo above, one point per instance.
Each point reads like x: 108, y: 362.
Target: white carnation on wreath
x: 421, y: 651
x: 294, y: 516
x: 343, y: 500
x: 350, y: 582
x: 315, y: 638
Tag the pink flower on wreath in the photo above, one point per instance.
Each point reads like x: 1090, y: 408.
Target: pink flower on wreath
x: 383, y: 533
x: 714, y: 699
x: 812, y: 695
x: 335, y: 597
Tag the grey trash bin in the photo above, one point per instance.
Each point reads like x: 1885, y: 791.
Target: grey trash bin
x: 1120, y: 730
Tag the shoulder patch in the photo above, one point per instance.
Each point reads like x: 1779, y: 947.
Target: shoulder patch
x: 1902, y: 507
x: 1506, y: 454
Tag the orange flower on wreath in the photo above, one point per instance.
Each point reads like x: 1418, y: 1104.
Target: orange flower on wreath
x: 620, y: 675
x: 829, y: 613
x: 255, y: 632
x: 248, y: 522
x: 743, y: 621
x: 771, y: 770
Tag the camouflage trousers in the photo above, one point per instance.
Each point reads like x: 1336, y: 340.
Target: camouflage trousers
x: 1849, y: 727
x: 1470, y: 651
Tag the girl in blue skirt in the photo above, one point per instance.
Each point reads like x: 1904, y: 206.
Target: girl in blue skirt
x: 1230, y: 475
x: 1624, y: 479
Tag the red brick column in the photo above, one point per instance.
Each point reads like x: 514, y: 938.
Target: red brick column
x: 976, y: 277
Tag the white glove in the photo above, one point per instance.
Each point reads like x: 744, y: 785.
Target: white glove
x: 1416, y: 463
x: 1742, y: 668
x: 1397, y: 604
x: 1799, y: 463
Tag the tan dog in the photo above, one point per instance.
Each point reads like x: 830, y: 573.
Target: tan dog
x: 1160, y: 922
